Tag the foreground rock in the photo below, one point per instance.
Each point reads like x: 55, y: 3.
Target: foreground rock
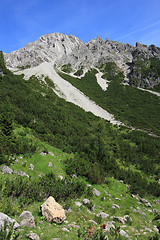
x: 27, y: 220
x: 32, y: 236
x: 52, y: 211
x: 6, y: 169
x: 10, y: 221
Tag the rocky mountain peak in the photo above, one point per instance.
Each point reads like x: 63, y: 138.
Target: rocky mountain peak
x: 47, y: 48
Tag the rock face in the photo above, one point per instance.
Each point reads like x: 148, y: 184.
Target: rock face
x: 47, y: 48
x: 52, y: 211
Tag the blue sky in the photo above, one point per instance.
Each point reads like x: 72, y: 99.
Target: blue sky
x: 127, y: 21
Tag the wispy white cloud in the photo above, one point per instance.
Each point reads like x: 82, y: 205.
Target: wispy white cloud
x: 139, y: 30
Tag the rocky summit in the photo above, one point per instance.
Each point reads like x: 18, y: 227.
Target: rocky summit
x: 62, y: 49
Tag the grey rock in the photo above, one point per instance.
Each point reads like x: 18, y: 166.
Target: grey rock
x: 109, y: 225
x: 6, y: 169
x: 86, y: 201
x: 68, y: 210
x: 120, y: 219
x: 123, y: 233
x: 65, y: 229
x: 96, y: 192
x: 115, y: 206
x: 32, y: 236
x: 50, y: 164
x: 43, y: 154
x: 103, y: 215
x: 78, y: 204
x: 23, y: 174
x: 27, y: 219
x: 26, y: 215
x: 50, y: 153
x: 156, y: 201
x: 127, y: 218
x: 143, y: 200
x: 10, y: 221
x: 148, y: 204
x: 61, y: 177
x: 31, y: 166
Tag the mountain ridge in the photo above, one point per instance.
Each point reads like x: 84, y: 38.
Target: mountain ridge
x: 63, y: 49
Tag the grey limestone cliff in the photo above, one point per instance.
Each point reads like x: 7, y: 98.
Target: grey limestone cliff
x: 62, y: 49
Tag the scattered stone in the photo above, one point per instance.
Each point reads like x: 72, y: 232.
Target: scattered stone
x: 23, y: 174
x: 103, y: 215
x: 143, y: 200
x: 74, y: 176
x: 10, y: 221
x: 118, y: 199
x: 78, y: 204
x: 16, y: 160
x: 134, y: 196
x: 65, y: 229
x: 31, y: 166
x: 127, y: 218
x: 24, y: 163
x: 52, y: 211
x: 86, y: 201
x: 120, y: 219
x: 32, y: 236
x: 92, y: 221
x: 139, y: 203
x: 69, y: 210
x: 43, y: 154
x: 108, y: 226
x: 156, y: 201
x: 96, y: 192
x: 88, y: 210
x: 89, y: 185
x: 61, y: 177
x: 123, y: 234
x: 50, y: 164
x: 20, y: 157
x: 6, y: 169
x: 148, y: 204
x: 72, y: 225
x: 50, y: 153
x: 115, y: 206
x: 27, y: 219
x: 155, y: 228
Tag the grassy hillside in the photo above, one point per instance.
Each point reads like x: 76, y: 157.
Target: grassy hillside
x: 20, y: 193
x: 128, y: 104
x: 33, y: 120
